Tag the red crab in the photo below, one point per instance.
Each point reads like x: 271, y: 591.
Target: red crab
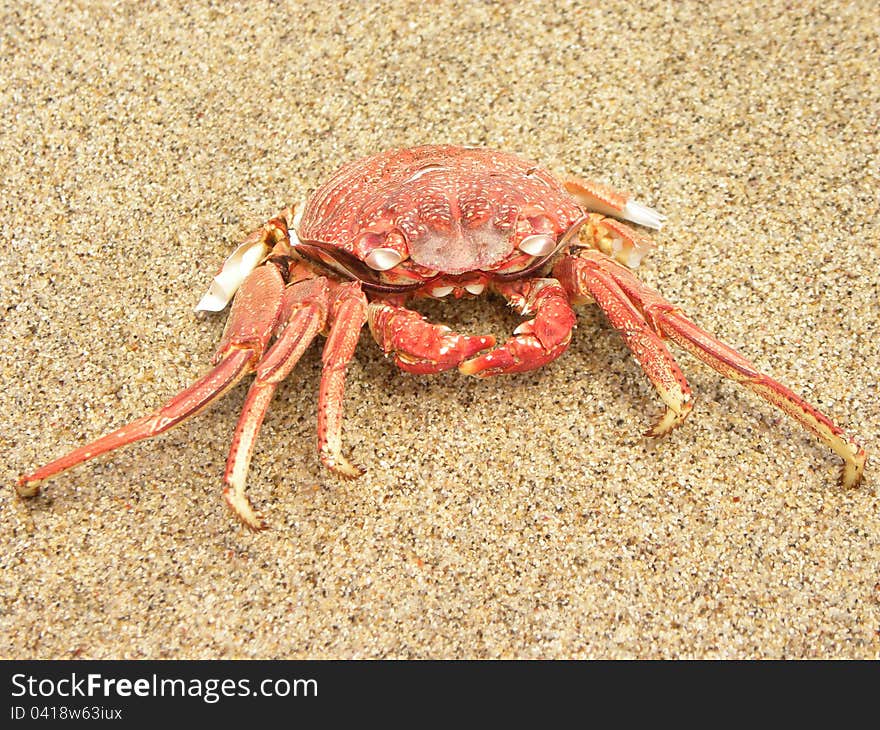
x: 438, y: 221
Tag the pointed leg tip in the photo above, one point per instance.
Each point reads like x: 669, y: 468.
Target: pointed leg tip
x: 348, y: 471
x: 345, y: 469
x: 656, y: 432
x: 27, y: 486
x: 339, y: 465
x: 259, y: 526
x: 666, y: 423
x: 255, y: 524
x: 670, y: 420
x: 357, y: 471
x: 243, y: 510
x: 853, y: 470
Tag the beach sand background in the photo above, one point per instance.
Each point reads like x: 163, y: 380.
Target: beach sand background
x: 522, y: 516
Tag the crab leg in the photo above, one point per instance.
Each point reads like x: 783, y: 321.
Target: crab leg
x: 536, y: 341
x: 645, y: 344
x: 666, y: 320
x: 420, y: 346
x: 348, y: 312
x: 304, y: 312
x: 250, y: 325
x: 604, y: 199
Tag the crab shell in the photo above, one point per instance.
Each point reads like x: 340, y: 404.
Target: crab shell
x: 437, y: 220
x: 416, y: 214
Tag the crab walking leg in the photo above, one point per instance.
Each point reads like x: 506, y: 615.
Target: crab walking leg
x: 581, y: 278
x: 250, y: 325
x: 606, y: 200
x: 348, y: 312
x: 669, y: 321
x: 536, y: 341
x: 304, y: 314
x: 420, y: 346
x: 731, y: 364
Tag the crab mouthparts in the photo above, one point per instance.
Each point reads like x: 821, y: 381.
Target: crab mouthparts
x: 456, y: 250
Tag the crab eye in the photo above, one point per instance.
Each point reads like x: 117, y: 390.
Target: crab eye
x: 539, y: 244
x: 383, y: 259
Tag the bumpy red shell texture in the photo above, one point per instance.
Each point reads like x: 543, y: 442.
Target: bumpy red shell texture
x: 456, y: 209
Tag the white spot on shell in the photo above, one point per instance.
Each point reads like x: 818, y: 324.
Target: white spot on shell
x: 475, y: 288
x: 441, y: 291
x: 424, y: 171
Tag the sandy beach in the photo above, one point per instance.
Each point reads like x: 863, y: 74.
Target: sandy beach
x: 517, y: 517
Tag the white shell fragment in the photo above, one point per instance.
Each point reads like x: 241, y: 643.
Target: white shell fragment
x: 475, y: 288
x: 441, y: 291
x: 382, y: 259
x: 235, y: 269
x: 539, y: 244
x: 642, y: 215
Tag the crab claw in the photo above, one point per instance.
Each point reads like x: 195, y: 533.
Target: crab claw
x: 526, y: 350
x: 419, y: 346
x: 536, y: 341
